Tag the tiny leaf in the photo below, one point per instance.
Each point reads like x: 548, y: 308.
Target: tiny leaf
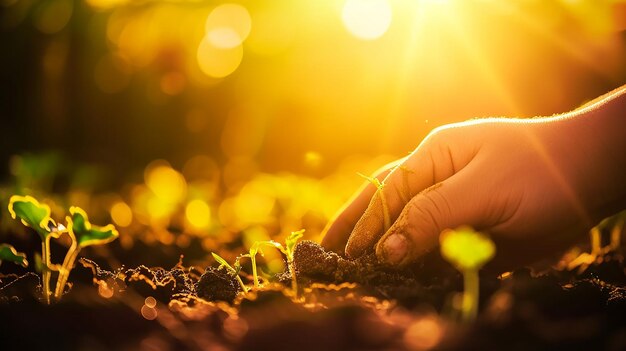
x: 86, y: 233
x: 466, y: 249
x: 223, y: 263
x: 8, y: 253
x: 291, y: 241
x: 31, y: 213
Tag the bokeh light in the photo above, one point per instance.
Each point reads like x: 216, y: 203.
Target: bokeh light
x: 367, y: 19
x: 121, y: 214
x: 198, y: 214
x: 228, y: 26
x: 218, y: 62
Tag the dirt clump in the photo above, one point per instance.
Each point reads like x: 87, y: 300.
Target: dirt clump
x: 217, y: 285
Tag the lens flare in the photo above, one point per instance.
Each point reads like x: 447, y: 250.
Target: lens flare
x: 367, y: 19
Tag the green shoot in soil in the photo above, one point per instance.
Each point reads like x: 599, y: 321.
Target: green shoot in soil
x: 36, y: 216
x: 468, y: 251
x: 232, y: 270
x: 288, y: 250
x: 81, y: 232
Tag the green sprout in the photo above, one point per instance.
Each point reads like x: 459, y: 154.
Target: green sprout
x: 81, y: 232
x: 468, y: 251
x: 36, y: 216
x: 288, y: 250
x: 379, y: 190
x: 255, y: 249
x: 8, y: 253
x: 234, y: 271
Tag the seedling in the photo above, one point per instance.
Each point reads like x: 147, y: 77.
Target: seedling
x: 287, y: 250
x: 36, y: 216
x: 379, y: 186
x: 468, y: 251
x: 8, y: 253
x: 234, y: 271
x: 255, y: 249
x: 81, y: 232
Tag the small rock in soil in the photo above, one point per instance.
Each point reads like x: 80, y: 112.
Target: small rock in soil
x: 217, y: 285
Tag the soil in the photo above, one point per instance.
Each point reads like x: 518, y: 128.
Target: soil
x: 341, y: 305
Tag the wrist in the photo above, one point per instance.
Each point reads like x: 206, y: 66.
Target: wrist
x: 590, y: 148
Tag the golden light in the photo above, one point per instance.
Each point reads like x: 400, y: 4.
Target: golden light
x: 198, y: 214
x: 104, y: 289
x: 367, y: 19
x: 148, y: 313
x: 228, y: 25
x: 216, y: 62
x: 150, y: 302
x: 105, y: 4
x: 121, y: 214
x: 423, y: 334
x: 165, y: 182
x: 272, y: 33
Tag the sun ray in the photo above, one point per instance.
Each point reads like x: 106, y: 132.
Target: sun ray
x: 463, y: 33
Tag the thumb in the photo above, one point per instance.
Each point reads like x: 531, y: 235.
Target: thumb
x: 448, y: 204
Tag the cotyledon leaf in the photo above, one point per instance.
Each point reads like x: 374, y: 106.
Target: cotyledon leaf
x: 8, y: 253
x: 32, y: 214
x: 291, y: 241
x: 87, y: 234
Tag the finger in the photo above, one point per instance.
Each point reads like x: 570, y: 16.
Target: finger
x: 337, y: 232
x: 450, y: 204
x: 437, y: 158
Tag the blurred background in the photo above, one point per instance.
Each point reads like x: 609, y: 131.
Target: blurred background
x: 183, y: 120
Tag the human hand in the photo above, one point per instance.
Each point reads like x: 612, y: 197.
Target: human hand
x: 535, y: 185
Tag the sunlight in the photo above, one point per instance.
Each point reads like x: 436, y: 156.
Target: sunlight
x: 467, y: 40
x: 367, y: 19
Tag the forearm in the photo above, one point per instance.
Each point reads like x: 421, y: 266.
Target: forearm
x: 593, y: 148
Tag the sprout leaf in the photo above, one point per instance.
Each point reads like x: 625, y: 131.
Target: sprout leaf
x: 291, y: 241
x: 86, y: 233
x: 31, y: 213
x: 466, y: 249
x: 8, y: 253
x: 223, y: 263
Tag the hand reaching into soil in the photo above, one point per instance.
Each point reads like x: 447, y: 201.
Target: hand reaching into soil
x: 536, y: 185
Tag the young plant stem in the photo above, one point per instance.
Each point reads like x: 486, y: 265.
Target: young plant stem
x: 254, y: 273
x: 66, y: 268
x: 45, y: 273
x: 292, y: 271
x: 470, y: 295
x: 243, y: 286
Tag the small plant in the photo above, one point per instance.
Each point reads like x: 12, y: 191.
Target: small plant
x: 8, y: 253
x: 81, y: 232
x: 379, y: 191
x: 288, y: 250
x: 255, y: 249
x: 36, y: 216
x: 468, y: 251
x: 234, y: 271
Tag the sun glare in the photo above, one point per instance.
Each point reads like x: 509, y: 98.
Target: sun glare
x: 367, y: 19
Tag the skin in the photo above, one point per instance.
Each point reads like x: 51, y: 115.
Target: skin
x: 535, y: 185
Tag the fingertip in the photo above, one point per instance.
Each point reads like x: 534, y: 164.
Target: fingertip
x: 393, y: 249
